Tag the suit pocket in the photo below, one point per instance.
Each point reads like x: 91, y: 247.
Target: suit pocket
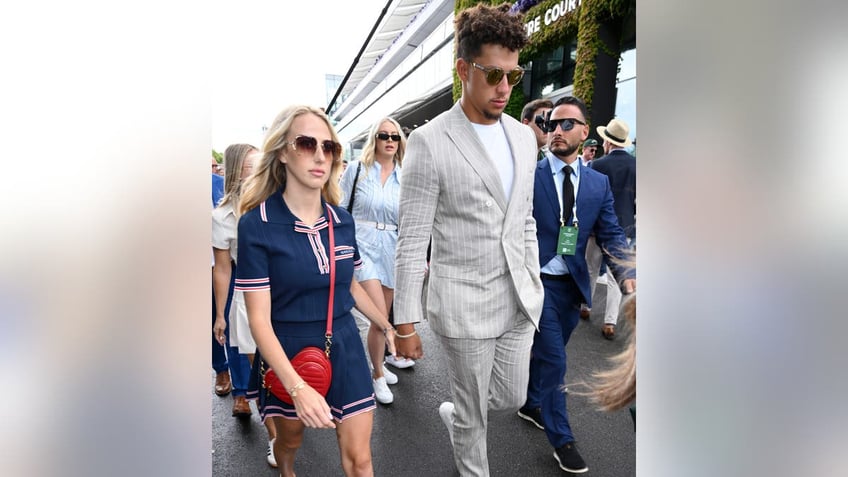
x: 466, y: 273
x: 453, y: 272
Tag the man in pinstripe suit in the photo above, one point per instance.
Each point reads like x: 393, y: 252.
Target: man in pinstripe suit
x: 468, y: 184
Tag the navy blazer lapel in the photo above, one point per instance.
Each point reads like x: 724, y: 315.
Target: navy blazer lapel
x: 462, y: 133
x: 588, y: 184
x: 548, y: 185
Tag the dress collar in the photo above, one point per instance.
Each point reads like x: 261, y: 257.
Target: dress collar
x: 274, y: 210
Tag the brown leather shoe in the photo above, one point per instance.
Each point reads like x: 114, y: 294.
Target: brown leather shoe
x: 585, y: 313
x: 240, y: 406
x: 223, y: 385
x: 608, y: 331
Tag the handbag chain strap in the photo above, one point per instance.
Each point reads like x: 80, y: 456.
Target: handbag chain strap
x: 332, y: 256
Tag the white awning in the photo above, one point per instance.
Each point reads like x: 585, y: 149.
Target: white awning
x: 406, y: 24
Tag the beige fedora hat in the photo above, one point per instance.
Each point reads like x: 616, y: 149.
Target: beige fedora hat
x: 616, y: 132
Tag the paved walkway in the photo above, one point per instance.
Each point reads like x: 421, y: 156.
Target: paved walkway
x: 409, y: 439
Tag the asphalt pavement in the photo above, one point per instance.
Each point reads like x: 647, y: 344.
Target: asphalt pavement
x: 409, y: 439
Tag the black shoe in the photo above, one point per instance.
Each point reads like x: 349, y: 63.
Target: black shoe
x: 608, y: 331
x: 532, y: 415
x: 569, y: 459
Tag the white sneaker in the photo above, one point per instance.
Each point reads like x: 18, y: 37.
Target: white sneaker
x: 400, y: 363
x: 446, y: 413
x: 271, y: 460
x: 391, y: 378
x: 381, y: 391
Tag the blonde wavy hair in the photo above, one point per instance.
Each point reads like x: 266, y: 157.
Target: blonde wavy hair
x: 615, y: 388
x: 234, y: 157
x: 270, y: 174
x: 369, y: 151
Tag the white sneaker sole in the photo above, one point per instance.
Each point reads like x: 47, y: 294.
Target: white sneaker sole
x: 530, y: 420
x: 386, y: 398
x: 446, y: 413
x: 391, y: 378
x: 400, y: 363
x: 270, y: 456
x: 573, y: 471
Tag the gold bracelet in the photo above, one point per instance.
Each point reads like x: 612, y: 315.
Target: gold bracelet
x: 398, y: 335
x: 390, y: 328
x: 293, y: 390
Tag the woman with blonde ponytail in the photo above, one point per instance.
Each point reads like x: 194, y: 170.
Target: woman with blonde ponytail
x: 288, y: 211
x: 231, y: 316
x: 228, y: 303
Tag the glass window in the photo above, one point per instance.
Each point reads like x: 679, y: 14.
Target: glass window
x: 553, y: 70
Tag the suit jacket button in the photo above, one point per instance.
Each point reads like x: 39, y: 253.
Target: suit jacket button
x: 488, y: 203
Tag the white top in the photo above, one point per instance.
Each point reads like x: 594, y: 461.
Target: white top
x: 224, y: 227
x: 494, y: 140
x: 375, y: 206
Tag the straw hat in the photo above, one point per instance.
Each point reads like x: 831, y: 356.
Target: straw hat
x: 616, y: 132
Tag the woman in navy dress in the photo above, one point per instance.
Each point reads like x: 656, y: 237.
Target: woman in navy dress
x: 284, y: 272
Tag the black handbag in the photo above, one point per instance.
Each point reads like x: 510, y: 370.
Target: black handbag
x: 353, y: 189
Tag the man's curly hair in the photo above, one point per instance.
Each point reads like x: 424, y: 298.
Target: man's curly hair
x: 482, y: 24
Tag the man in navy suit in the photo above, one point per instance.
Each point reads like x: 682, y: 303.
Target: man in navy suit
x: 620, y: 167
x: 562, y: 233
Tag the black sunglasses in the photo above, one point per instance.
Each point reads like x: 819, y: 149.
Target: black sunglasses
x: 566, y: 124
x: 494, y: 75
x: 540, y: 122
x: 385, y: 137
x: 308, y: 144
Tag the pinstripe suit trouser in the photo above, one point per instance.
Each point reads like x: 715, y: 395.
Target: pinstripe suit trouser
x: 486, y: 375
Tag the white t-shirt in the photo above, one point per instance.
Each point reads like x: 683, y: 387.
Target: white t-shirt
x: 494, y: 140
x: 224, y: 229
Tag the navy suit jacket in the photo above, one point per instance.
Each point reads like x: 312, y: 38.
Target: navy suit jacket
x: 595, y: 215
x: 620, y: 167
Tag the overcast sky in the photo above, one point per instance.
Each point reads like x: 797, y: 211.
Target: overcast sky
x: 270, y: 54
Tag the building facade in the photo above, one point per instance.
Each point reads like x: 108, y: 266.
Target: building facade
x: 406, y: 70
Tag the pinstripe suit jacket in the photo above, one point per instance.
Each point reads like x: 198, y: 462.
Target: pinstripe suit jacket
x: 484, y: 249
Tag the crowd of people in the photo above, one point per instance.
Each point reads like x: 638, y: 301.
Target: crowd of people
x: 495, y: 230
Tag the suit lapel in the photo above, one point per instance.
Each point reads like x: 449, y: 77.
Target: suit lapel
x: 548, y: 186
x: 513, y: 137
x: 586, y: 189
x: 465, y: 137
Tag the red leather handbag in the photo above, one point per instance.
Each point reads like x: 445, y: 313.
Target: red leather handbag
x: 312, y: 363
x: 313, y: 366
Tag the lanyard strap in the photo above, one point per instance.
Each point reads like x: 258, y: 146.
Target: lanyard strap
x: 332, y: 257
